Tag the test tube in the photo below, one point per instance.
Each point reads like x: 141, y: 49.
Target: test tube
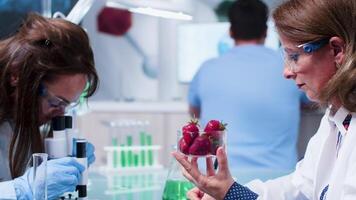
x: 39, y: 183
x: 150, y: 152
x: 114, y: 128
x: 142, y: 143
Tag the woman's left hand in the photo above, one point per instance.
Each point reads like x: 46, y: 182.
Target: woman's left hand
x: 90, y: 153
x: 196, y: 194
x: 214, y: 184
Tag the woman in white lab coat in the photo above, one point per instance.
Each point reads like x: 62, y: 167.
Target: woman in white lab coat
x: 44, y: 67
x: 319, y: 43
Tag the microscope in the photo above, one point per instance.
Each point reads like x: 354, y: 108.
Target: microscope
x: 64, y: 143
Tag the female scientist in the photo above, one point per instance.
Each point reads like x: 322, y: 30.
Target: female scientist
x: 319, y: 41
x: 44, y: 68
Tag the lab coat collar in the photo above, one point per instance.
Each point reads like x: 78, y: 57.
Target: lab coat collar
x: 338, y: 118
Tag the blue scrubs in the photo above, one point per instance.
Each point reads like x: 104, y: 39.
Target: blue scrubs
x: 245, y: 88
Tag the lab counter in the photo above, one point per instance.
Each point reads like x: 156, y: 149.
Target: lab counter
x: 150, y: 185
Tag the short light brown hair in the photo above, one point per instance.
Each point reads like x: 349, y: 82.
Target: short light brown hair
x: 306, y: 20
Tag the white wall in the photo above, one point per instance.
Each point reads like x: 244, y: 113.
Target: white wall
x: 120, y: 66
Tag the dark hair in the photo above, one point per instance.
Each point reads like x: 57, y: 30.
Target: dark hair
x: 248, y: 19
x: 300, y: 22
x: 40, y: 50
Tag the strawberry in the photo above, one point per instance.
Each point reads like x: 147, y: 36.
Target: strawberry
x: 183, y: 146
x: 213, y: 129
x: 216, y: 141
x: 190, y: 131
x: 201, y: 146
x: 214, y: 125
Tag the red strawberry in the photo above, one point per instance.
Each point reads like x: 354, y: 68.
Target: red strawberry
x: 201, y: 146
x: 190, y: 131
x: 213, y: 129
x: 214, y: 125
x: 216, y: 139
x: 183, y: 146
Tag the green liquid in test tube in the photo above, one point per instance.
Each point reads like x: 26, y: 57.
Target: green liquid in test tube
x: 115, y: 153
x: 123, y: 157
x: 129, y: 152
x: 150, y: 152
x: 136, y: 160
x: 143, y: 143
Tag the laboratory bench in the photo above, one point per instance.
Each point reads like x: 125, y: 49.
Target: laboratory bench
x: 150, y: 185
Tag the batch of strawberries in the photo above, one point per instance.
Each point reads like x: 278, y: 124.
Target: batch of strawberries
x: 202, y: 143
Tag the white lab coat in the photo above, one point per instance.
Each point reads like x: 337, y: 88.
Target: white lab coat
x: 320, y: 166
x: 7, y: 190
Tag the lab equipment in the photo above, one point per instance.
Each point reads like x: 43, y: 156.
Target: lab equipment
x: 64, y: 143
x: 39, y: 176
x: 81, y: 156
x: 70, y: 134
x: 176, y: 186
x: 56, y: 147
x: 131, y: 146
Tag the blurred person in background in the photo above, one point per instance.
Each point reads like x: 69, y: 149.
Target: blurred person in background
x: 244, y: 89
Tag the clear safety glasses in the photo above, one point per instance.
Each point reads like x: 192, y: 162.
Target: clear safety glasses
x: 56, y: 102
x: 291, y: 57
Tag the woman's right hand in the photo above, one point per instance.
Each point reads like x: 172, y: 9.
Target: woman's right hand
x: 214, y: 184
x: 63, y: 175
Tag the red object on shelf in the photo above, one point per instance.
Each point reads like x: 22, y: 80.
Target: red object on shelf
x: 114, y: 21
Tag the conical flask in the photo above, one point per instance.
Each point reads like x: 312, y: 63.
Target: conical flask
x: 176, y: 186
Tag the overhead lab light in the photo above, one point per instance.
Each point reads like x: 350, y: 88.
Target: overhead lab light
x: 157, y: 8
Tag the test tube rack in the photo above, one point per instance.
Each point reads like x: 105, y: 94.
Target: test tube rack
x: 132, y: 157
x: 131, y: 147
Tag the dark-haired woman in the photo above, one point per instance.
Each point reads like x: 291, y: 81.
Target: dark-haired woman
x: 44, y: 68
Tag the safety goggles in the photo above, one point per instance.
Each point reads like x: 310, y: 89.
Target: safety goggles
x: 291, y: 57
x: 55, y: 101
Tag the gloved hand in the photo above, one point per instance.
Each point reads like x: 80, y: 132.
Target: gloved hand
x: 90, y: 153
x: 63, y: 175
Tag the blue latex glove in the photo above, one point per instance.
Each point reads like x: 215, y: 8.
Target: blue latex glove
x: 63, y: 175
x: 90, y: 153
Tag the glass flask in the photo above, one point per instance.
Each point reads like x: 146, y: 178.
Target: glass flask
x: 176, y: 186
